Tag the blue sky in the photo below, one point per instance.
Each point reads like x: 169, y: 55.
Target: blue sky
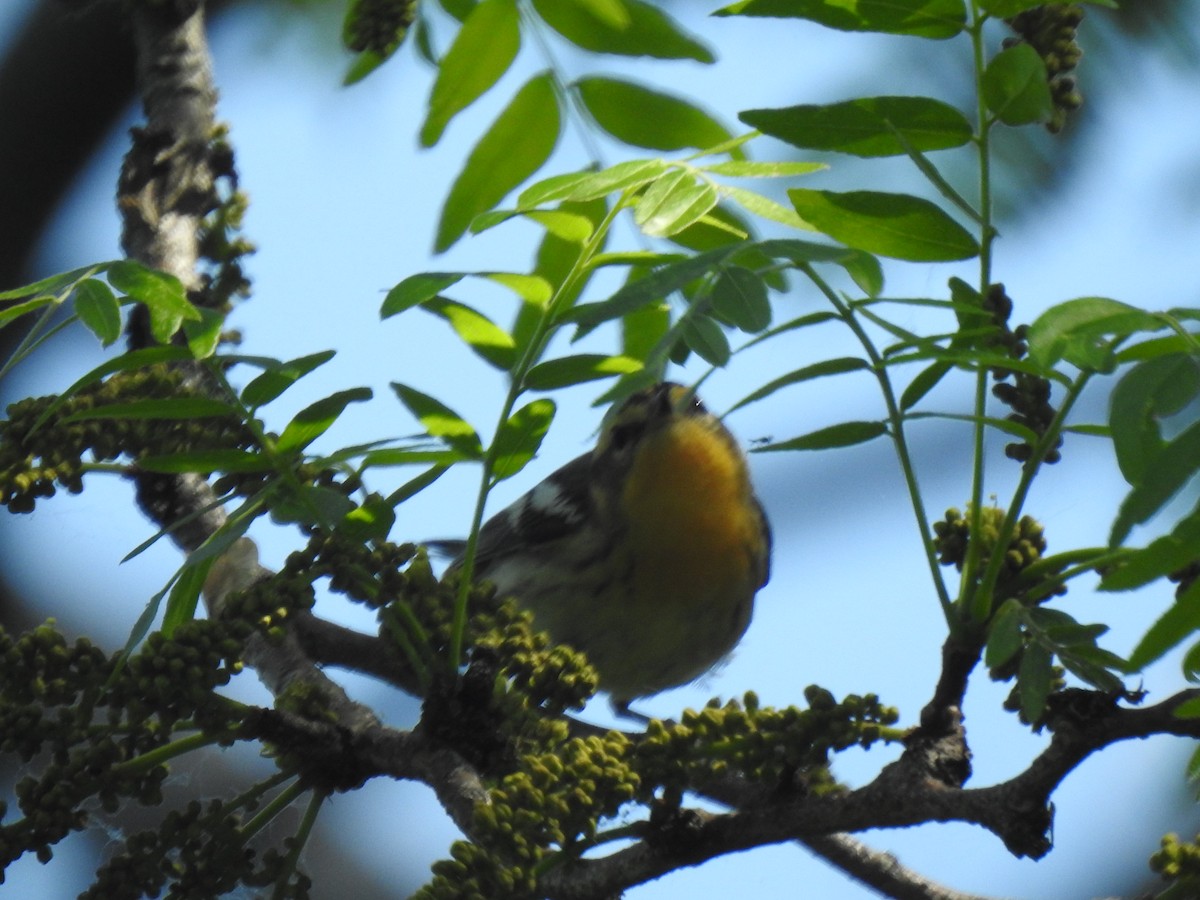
x: 344, y: 205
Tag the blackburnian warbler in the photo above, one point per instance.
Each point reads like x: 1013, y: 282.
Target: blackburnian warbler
x: 645, y: 553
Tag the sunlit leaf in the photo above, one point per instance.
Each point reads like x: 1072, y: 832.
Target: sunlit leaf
x: 621, y: 27
x: 520, y: 436
x: 316, y: 418
x: 98, y: 309
x: 491, y: 342
x: 440, y: 421
x: 1015, y: 86
x: 673, y: 203
x: 567, y: 370
x: 580, y: 186
x: 483, y: 49
x: 744, y: 168
x: 647, y: 118
x: 1079, y: 331
x: 277, y: 379
x: 416, y: 289
x: 163, y: 296
x: 512, y: 149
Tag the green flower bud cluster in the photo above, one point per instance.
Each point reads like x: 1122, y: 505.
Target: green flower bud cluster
x: 1050, y: 30
x: 50, y: 705
x: 1179, y: 863
x: 553, y: 803
x: 378, y: 26
x: 196, y: 852
x: 34, y: 462
x: 760, y: 743
x: 1027, y: 546
x: 175, y: 678
x: 217, y: 236
x: 1028, y: 395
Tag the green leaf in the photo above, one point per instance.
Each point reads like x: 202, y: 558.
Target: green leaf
x: 1171, y: 468
x: 1034, y: 680
x: 817, y: 370
x: 370, y: 521
x: 707, y: 339
x: 1172, y: 628
x: 764, y: 207
x: 621, y: 27
x: 744, y: 168
x: 556, y: 264
x: 643, y: 329
x: 133, y: 359
x: 1004, y: 634
x: 895, y: 225
x: 512, y: 149
x: 14, y: 312
x: 204, y: 334
x: 719, y: 227
x: 482, y: 51
x: 415, y: 485
x: 1147, y: 393
x: 274, y: 381
x: 567, y: 370
x: 163, y: 296
x: 740, y: 296
x: 53, y: 287
x: 400, y: 456
x: 672, y: 203
x: 580, y: 186
x: 530, y: 288
x: 569, y: 226
x: 361, y: 66
x: 314, y: 420
x: 656, y: 286
x: 1077, y: 331
x: 159, y: 409
x: 1162, y: 556
x: 489, y: 341
x: 416, y: 289
x: 867, y: 126
x: 440, y: 421
x: 519, y: 438
x: 844, y: 435
x: 924, y: 382
x: 309, y: 504
x: 206, y: 462
x: 1015, y: 86
x: 185, y: 595
x: 98, y: 309
x: 642, y: 117
x: 936, y: 19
